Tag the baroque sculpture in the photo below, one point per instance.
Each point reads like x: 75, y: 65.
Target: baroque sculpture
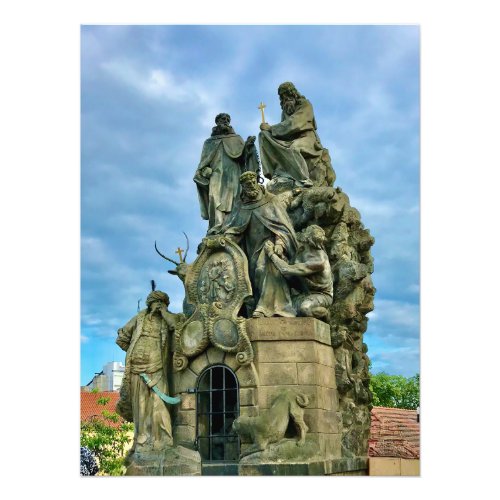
x: 312, y: 271
x: 261, y: 218
x: 270, y: 427
x: 217, y: 283
x: 147, y: 338
x: 223, y: 159
x: 268, y: 358
x: 291, y: 149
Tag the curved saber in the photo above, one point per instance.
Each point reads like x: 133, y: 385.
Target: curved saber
x: 168, y: 399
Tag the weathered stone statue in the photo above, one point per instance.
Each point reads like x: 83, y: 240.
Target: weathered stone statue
x: 343, y: 345
x: 216, y: 284
x: 361, y: 374
x: 311, y: 269
x: 262, y: 218
x: 246, y: 369
x: 146, y: 338
x: 223, y: 159
x: 271, y: 425
x: 310, y: 206
x: 291, y: 149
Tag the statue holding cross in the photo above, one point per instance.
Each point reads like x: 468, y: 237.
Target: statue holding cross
x: 291, y: 149
x: 261, y: 107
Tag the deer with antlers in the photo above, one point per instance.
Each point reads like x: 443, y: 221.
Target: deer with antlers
x: 180, y: 267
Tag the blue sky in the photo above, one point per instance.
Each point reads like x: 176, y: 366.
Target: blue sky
x: 149, y: 98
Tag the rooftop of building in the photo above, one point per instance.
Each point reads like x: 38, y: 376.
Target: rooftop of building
x: 90, y: 408
x: 394, y: 432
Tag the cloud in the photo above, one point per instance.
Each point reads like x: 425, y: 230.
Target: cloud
x: 90, y: 321
x: 393, y: 337
x: 402, y: 361
x: 207, y: 93
x: 154, y: 83
x: 149, y: 98
x: 397, y: 315
x: 376, y: 209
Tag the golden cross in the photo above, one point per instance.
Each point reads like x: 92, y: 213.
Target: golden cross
x: 261, y: 107
x: 179, y: 252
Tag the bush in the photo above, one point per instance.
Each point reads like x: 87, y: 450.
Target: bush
x: 106, y: 436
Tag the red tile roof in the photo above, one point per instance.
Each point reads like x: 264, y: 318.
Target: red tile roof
x: 89, y: 407
x: 394, y: 433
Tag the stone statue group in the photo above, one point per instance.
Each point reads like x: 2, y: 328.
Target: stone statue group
x: 298, y: 237
x: 290, y: 273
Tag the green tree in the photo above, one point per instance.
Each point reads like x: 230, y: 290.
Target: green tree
x: 395, y: 391
x: 106, y: 439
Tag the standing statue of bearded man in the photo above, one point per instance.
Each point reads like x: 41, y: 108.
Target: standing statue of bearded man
x: 146, y: 338
x: 223, y: 159
x: 291, y: 149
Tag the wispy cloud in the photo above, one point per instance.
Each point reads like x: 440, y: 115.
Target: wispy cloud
x: 154, y: 83
x: 404, y: 360
x: 149, y: 98
x: 397, y: 316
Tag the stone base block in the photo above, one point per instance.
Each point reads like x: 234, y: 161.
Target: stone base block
x: 319, y: 397
x: 185, y: 435
x: 178, y: 461
x: 329, y: 445
x: 185, y: 417
x: 321, y: 421
x: 335, y: 467
x: 288, y: 329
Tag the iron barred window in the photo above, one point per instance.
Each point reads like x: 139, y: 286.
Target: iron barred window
x: 217, y: 406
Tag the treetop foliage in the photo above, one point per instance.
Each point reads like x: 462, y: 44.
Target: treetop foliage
x: 395, y: 391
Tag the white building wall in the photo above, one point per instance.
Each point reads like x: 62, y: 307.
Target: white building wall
x: 114, y: 371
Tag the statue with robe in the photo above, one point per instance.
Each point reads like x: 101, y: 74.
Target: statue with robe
x: 291, y: 150
x: 261, y: 217
x: 147, y: 339
x: 223, y: 159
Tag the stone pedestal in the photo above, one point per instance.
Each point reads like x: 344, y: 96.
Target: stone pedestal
x: 178, y: 461
x: 294, y: 353
x: 289, y: 353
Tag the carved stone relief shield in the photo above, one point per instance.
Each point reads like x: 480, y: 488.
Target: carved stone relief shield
x: 216, y: 284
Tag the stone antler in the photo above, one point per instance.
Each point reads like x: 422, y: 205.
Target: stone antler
x: 166, y: 258
x: 187, y: 248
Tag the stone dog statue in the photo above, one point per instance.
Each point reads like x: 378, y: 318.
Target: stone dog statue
x: 270, y: 427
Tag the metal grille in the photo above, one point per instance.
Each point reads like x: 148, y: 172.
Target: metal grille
x: 217, y: 406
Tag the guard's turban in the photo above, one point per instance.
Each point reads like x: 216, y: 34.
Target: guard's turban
x: 157, y: 295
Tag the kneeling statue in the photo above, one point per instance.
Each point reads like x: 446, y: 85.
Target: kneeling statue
x: 310, y: 273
